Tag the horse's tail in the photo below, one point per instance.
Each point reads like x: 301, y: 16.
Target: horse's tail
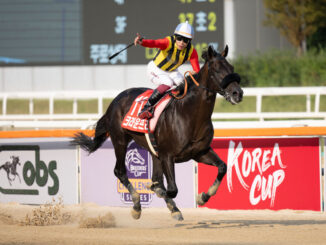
x: 89, y: 144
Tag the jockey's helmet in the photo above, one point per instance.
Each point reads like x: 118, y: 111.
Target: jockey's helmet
x: 185, y: 30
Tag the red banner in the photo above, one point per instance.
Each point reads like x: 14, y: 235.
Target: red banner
x: 265, y: 173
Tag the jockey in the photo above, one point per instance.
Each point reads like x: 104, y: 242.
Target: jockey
x: 163, y: 69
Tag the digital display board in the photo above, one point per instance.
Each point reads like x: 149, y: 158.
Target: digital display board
x: 88, y: 32
x: 40, y: 32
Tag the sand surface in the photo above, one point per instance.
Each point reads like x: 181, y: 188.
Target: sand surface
x: 93, y: 224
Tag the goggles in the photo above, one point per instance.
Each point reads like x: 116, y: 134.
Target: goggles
x: 181, y: 38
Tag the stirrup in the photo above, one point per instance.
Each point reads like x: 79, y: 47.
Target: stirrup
x: 146, y: 113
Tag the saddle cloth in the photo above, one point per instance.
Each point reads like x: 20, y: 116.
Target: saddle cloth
x: 132, y: 122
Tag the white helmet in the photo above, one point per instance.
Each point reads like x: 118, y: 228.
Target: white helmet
x: 185, y: 30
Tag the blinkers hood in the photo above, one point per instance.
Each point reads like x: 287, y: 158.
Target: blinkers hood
x: 233, y: 77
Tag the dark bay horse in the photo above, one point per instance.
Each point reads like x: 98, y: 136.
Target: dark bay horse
x: 184, y: 131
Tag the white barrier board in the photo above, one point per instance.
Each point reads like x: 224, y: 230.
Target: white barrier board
x: 36, y: 170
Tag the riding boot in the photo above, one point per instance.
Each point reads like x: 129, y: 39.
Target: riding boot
x: 148, y: 111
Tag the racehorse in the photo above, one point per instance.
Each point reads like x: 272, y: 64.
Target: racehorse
x: 10, y: 168
x: 184, y: 130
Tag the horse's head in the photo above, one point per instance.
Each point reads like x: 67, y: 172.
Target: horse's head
x: 221, y: 78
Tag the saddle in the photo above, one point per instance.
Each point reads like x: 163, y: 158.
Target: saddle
x: 131, y: 120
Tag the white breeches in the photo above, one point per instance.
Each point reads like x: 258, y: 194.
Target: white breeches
x: 158, y: 76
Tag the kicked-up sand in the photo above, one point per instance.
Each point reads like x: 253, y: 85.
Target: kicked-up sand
x: 92, y: 224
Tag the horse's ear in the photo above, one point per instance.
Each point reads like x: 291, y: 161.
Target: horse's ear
x: 225, y: 51
x: 211, y: 51
x: 205, y: 55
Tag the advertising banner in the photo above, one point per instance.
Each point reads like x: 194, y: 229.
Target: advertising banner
x: 36, y: 170
x: 265, y: 173
x: 100, y: 185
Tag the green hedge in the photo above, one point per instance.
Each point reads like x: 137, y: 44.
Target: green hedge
x: 282, y: 68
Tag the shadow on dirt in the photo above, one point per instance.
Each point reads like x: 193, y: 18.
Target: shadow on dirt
x: 247, y: 223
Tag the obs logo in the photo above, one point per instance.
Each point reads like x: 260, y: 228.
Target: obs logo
x: 32, y: 173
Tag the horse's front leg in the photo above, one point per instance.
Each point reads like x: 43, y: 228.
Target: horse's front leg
x: 158, y: 187
x: 120, y: 171
x: 9, y: 179
x: 168, y: 170
x: 18, y: 177
x: 211, y: 158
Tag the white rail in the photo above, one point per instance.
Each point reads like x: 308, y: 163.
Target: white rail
x: 259, y: 93
x: 82, y: 120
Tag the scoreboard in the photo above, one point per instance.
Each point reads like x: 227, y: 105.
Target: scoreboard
x: 88, y: 32
x: 111, y: 27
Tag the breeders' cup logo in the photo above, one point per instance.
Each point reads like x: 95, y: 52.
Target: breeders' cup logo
x: 135, y: 163
x: 138, y: 163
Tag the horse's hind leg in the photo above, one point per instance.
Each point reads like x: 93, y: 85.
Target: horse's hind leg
x: 159, y: 189
x: 211, y: 158
x: 120, y: 171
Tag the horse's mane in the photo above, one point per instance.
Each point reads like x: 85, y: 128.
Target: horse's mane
x: 190, y: 82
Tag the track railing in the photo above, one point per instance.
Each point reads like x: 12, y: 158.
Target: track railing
x: 259, y: 93
x: 74, y: 119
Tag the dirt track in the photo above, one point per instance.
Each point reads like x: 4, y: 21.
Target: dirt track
x: 201, y: 226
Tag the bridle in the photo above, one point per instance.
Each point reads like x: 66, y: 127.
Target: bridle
x: 232, y: 77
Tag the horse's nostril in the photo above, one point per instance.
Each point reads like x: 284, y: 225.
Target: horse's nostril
x: 235, y: 93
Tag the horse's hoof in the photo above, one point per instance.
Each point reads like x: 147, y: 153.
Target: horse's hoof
x: 177, y: 216
x: 200, y: 200
x: 135, y: 214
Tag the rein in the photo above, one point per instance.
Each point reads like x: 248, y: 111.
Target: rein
x: 225, y: 82
x: 186, y: 86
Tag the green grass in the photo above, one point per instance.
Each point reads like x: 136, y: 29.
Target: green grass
x: 17, y: 106
x: 21, y: 106
x: 322, y: 103
x: 248, y: 104
x: 41, y: 106
x: 87, y: 106
x: 63, y: 106
x: 269, y: 104
x: 295, y: 103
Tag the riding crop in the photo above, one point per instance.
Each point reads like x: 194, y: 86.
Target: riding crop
x: 114, y: 55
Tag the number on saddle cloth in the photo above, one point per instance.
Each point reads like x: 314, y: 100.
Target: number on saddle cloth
x: 132, y: 122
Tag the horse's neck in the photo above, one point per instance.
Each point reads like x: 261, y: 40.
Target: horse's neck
x: 204, y: 99
x: 205, y: 102
x: 200, y: 102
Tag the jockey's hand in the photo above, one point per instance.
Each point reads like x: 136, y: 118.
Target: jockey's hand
x: 193, y: 72
x: 138, y: 40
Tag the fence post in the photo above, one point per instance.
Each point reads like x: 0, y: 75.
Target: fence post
x: 308, y: 104
x: 317, y: 101
x: 258, y: 106
x: 31, y: 106
x: 74, y: 107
